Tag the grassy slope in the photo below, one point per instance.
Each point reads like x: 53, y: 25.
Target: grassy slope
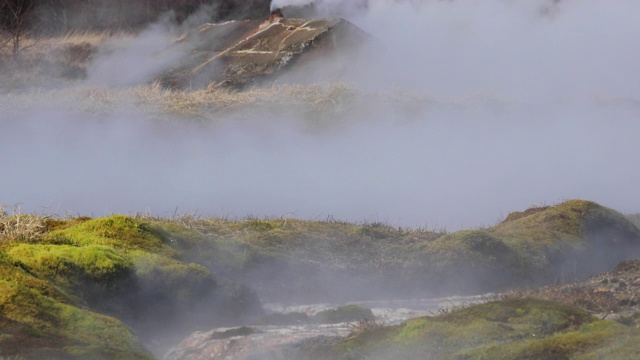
x: 508, y: 329
x: 285, y: 258
x: 115, y: 265
x: 537, y: 245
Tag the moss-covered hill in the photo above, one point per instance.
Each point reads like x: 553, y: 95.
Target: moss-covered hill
x: 73, y: 288
x: 68, y: 292
x: 507, y: 329
x: 308, y: 260
x: 568, y: 241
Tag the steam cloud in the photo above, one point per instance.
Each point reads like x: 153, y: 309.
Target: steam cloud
x: 527, y: 102
x: 282, y: 3
x: 320, y: 8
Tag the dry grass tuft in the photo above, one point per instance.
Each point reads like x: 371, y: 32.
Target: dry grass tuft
x: 206, y: 102
x: 16, y: 225
x: 205, y: 105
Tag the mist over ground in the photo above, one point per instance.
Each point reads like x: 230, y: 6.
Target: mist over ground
x: 518, y: 103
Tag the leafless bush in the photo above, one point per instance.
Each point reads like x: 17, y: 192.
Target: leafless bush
x: 14, y: 22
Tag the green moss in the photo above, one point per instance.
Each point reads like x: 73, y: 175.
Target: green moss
x: 622, y: 344
x: 118, y: 231
x: 52, y: 224
x: 520, y: 326
x: 93, y: 334
x: 168, y: 277
x: 41, y: 315
x: 258, y: 225
x: 74, y: 267
x: 119, y: 266
x: 471, y: 248
x: 375, y: 230
x: 570, y: 221
x: 178, y: 236
x: 532, y: 245
x: 588, y: 341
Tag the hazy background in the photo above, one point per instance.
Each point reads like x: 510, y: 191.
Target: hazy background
x: 529, y: 102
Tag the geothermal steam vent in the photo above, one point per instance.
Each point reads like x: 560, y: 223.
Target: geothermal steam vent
x: 237, y: 53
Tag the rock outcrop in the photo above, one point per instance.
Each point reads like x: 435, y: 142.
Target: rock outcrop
x: 237, y: 53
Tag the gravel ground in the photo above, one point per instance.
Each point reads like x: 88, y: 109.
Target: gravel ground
x: 612, y: 295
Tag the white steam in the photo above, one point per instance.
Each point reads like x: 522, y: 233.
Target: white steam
x: 532, y: 102
x: 283, y: 3
x: 319, y: 8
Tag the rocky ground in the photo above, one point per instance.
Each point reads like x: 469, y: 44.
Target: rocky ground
x: 612, y: 295
x: 280, y: 341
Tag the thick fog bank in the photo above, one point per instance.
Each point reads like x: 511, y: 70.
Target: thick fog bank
x: 452, y: 167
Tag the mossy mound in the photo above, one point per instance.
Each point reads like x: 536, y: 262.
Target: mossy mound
x: 287, y: 259
x: 573, y: 220
x: 92, y: 274
x: 508, y: 329
x: 296, y: 260
x: 578, y: 238
x: 571, y: 240
x: 122, y: 267
x: 38, y: 321
x: 117, y: 231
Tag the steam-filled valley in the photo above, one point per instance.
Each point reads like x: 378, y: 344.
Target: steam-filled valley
x: 329, y: 179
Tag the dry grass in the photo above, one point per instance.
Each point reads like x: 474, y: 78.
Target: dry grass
x: 16, y: 225
x: 203, y: 103
x: 206, y: 105
x: 46, y: 61
x: 50, y: 71
x: 48, y: 46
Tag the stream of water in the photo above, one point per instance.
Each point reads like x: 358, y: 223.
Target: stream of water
x: 270, y: 340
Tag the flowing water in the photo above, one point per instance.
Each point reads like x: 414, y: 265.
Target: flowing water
x: 273, y: 341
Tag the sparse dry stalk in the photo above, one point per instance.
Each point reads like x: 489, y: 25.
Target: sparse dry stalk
x: 20, y: 226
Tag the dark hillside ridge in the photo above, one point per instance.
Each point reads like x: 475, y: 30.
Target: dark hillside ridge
x: 60, y: 16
